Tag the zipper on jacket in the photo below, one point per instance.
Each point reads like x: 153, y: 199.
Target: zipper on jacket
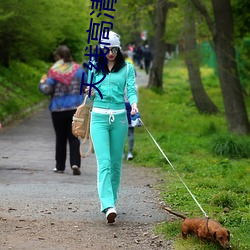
x: 109, y: 89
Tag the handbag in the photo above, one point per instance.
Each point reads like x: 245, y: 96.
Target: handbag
x: 136, y: 120
x: 81, y: 126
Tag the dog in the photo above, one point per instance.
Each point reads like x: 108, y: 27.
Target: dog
x: 204, y: 229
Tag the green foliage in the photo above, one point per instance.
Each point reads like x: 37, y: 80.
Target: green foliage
x: 175, y: 25
x: 243, y: 59
x: 29, y: 33
x: 241, y: 17
x: 231, y: 146
x: 136, y: 17
x: 224, y: 200
x: 219, y: 183
x: 170, y: 230
x: 19, y: 87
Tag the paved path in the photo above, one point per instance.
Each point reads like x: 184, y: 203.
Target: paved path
x: 26, y: 163
x: 31, y: 191
x: 141, y: 78
x: 27, y: 160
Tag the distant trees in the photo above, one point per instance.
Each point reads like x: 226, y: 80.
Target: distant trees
x: 221, y: 27
x: 132, y: 17
x: 32, y: 29
x: 242, y: 40
x: 220, y: 22
x: 202, y: 101
x: 156, y: 72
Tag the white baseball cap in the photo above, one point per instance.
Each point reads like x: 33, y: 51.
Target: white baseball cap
x: 112, y: 38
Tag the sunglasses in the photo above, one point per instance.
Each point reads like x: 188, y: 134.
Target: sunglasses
x: 114, y: 50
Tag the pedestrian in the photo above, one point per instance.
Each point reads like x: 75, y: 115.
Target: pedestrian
x: 109, y: 125
x: 147, y: 54
x: 139, y: 52
x: 128, y: 109
x: 63, y: 85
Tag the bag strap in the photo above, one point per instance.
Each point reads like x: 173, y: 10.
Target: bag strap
x: 87, y: 137
x: 91, y: 148
x: 85, y: 99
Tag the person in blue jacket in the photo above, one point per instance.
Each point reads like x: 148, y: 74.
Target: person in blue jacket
x: 63, y: 84
x: 109, y: 124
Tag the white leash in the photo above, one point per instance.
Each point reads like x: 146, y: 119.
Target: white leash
x: 174, y: 169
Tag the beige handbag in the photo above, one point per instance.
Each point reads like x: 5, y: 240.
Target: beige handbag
x: 81, y: 126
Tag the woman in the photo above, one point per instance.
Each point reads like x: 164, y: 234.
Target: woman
x: 109, y: 123
x: 63, y: 84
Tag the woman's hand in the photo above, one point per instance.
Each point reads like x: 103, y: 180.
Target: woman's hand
x: 43, y: 79
x: 134, y: 109
x: 92, y: 91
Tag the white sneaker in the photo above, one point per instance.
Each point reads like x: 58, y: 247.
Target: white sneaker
x: 111, y: 214
x: 76, y: 170
x: 58, y: 171
x: 130, y: 156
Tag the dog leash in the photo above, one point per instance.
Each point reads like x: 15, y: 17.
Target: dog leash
x: 174, y: 169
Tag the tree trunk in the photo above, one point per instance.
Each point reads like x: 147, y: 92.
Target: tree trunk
x: 223, y: 38
x: 201, y: 99
x: 159, y: 48
x: 235, y: 109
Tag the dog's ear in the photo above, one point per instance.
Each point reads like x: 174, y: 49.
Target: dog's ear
x: 228, y: 237
x: 214, y: 235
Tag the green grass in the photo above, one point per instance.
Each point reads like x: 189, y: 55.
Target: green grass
x: 19, y: 87
x: 214, y: 164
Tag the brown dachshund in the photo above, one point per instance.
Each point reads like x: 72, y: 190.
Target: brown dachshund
x: 204, y: 229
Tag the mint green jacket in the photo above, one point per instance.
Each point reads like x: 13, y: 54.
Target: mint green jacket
x: 113, y: 87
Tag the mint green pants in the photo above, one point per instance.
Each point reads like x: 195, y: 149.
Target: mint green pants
x: 108, y: 136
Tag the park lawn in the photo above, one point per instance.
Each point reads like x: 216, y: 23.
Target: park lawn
x: 190, y: 140
x: 219, y: 182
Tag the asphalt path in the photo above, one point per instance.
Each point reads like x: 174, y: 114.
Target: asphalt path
x: 26, y: 176
x: 31, y: 190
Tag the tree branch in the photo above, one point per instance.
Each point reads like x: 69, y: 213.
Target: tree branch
x: 202, y: 9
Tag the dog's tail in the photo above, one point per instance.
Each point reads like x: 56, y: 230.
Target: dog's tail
x: 175, y: 213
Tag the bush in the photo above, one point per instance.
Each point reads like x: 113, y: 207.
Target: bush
x: 19, y: 88
x: 231, y: 146
x: 224, y: 200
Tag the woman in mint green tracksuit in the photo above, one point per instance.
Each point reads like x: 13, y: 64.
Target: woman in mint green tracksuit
x: 109, y: 125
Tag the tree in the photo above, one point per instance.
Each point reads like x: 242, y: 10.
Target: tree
x: 134, y: 17
x: 156, y: 72
x: 241, y: 17
x: 242, y: 33
x: 223, y: 38
x: 28, y: 33
x: 201, y: 99
x: 141, y: 15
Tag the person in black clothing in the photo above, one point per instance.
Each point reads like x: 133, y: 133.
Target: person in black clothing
x: 63, y: 84
x: 147, y: 54
x: 139, y: 56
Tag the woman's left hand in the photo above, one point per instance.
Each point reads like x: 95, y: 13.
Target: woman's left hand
x: 92, y: 91
x: 43, y: 79
x: 134, y: 109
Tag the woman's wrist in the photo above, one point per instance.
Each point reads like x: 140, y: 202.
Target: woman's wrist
x: 134, y: 108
